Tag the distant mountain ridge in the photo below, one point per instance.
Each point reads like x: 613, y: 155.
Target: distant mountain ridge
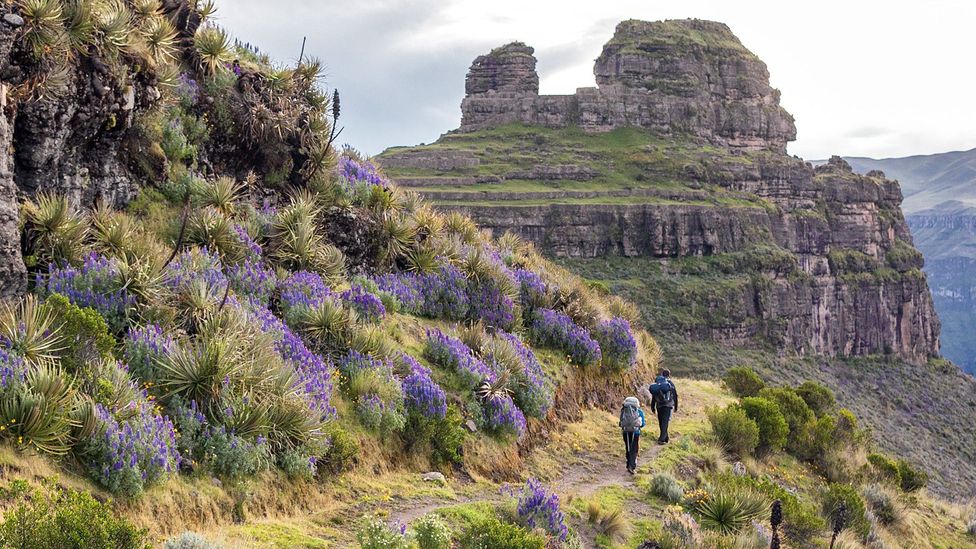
x: 927, y: 180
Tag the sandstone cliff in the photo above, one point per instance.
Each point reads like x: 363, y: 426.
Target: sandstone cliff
x: 687, y: 159
x: 683, y: 77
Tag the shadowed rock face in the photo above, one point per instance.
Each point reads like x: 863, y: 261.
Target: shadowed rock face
x: 691, y: 77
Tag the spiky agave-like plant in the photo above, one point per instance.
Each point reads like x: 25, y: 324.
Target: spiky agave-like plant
x: 113, y: 21
x: 79, y: 25
x: 205, y: 9
x: 211, y: 229
x: 222, y: 193
x: 44, y: 32
x: 458, y: 224
x: 56, y: 231
x: 497, y: 388
x: 328, y: 322
x: 421, y: 260
x: 37, y: 411
x: 397, y: 234
x: 31, y: 331
x: 159, y: 36
x: 331, y: 263
x: 213, y: 48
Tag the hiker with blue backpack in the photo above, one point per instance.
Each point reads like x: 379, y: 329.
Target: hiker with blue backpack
x: 631, y: 422
x: 664, y: 402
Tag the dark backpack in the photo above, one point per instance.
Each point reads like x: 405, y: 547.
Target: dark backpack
x: 664, y: 394
x: 630, y: 420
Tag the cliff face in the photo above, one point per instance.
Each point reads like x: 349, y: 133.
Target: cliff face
x: 684, y: 77
x: 687, y: 160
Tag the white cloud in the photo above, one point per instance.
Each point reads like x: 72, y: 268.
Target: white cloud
x: 897, y: 68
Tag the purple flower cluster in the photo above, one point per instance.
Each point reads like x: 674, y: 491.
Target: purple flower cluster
x: 501, y: 415
x: 128, y: 454
x: 369, y: 306
x: 252, y: 280
x: 11, y: 367
x: 96, y: 284
x: 442, y: 294
x: 144, y: 348
x: 539, y: 508
x: 422, y: 394
x: 450, y: 352
x: 315, y: 373
x: 359, y: 172
x: 303, y: 289
x: 192, y: 265
x: 532, y: 290
x: 555, y: 329
x: 488, y: 303
x: 252, y: 248
x: 188, y: 90
x: 617, y: 343
x: 370, y: 408
x: 532, y: 392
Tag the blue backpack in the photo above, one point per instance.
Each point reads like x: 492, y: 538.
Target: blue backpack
x: 663, y: 390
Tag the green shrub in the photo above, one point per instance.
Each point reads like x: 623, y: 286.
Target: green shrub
x: 886, y: 468
x: 847, y: 430
x: 65, y: 519
x: 743, y: 381
x: 430, y: 532
x: 296, y: 463
x: 819, y: 398
x: 773, y: 429
x: 814, y: 439
x: 188, y: 540
x: 376, y: 534
x: 442, y: 437
x: 341, y: 453
x: 84, y: 333
x: 494, y: 534
x: 845, y: 496
x: 794, y: 409
x: 735, y: 430
x: 667, y: 488
x: 912, y: 479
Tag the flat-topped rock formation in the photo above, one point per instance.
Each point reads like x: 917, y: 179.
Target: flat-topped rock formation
x: 688, y: 77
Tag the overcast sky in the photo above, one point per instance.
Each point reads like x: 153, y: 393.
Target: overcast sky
x: 862, y: 77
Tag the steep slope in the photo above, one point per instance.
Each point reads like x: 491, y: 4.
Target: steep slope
x: 682, y: 198
x: 940, y: 191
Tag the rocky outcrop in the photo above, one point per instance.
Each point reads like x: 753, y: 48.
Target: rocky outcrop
x: 689, y: 77
x: 826, y: 264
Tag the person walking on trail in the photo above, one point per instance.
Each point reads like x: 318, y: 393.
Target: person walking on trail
x: 631, y: 423
x: 664, y: 402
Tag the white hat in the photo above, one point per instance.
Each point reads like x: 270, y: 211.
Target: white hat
x: 631, y: 401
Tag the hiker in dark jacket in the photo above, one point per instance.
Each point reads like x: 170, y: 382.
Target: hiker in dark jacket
x: 664, y: 402
x: 631, y: 422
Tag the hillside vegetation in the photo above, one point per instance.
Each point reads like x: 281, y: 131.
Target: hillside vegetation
x: 273, y: 345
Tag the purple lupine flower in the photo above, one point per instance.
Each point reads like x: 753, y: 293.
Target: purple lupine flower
x: 144, y: 348
x: 370, y: 409
x: 252, y: 280
x: 187, y: 89
x: 314, y: 373
x: 132, y: 451
x: 489, y: 304
x: 303, y: 289
x: 502, y: 416
x: 532, y: 290
x: 192, y: 265
x: 555, y: 329
x: 617, y: 343
x: 539, y: 508
x: 442, y: 294
x: 532, y: 390
x: 12, y: 367
x: 450, y: 352
x: 252, y: 248
x: 369, y: 306
x: 422, y: 394
x: 355, y: 172
x: 95, y: 284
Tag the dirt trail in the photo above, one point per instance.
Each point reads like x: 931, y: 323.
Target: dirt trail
x: 585, y: 476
